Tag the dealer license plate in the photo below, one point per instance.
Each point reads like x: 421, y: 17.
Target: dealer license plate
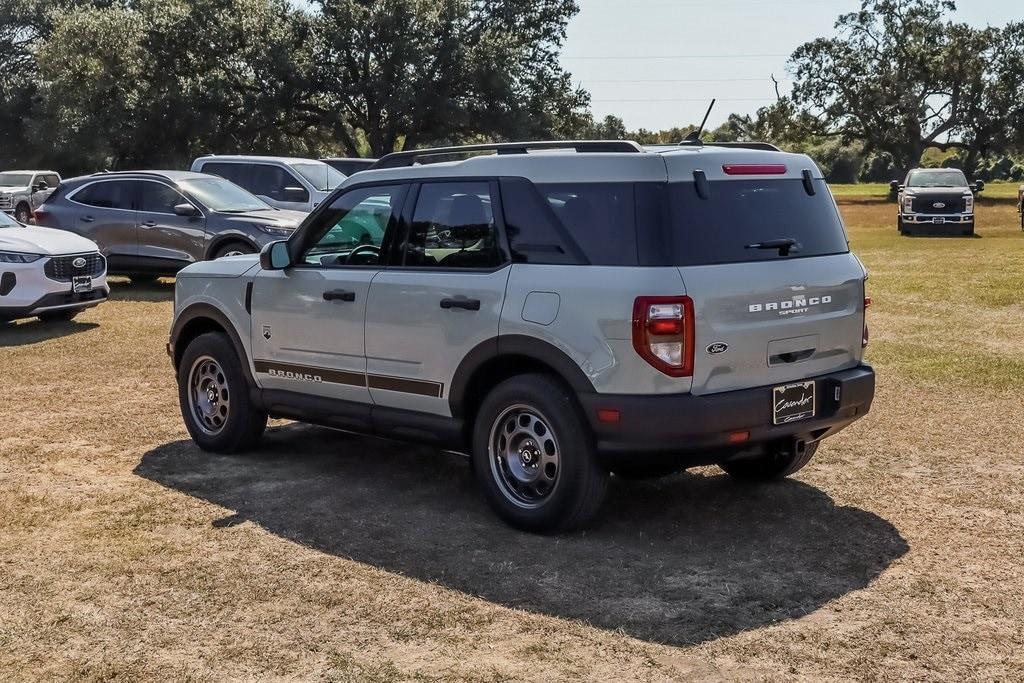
x: 794, y: 402
x: 81, y: 284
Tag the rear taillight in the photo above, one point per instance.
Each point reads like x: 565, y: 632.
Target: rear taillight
x: 40, y: 215
x: 663, y: 333
x: 867, y: 333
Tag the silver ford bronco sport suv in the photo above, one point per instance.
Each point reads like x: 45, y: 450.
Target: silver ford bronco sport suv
x: 559, y: 311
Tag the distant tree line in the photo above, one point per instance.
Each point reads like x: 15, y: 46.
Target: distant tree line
x: 93, y: 84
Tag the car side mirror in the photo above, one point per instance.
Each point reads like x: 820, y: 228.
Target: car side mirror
x: 186, y: 210
x: 979, y: 185
x: 40, y: 186
x: 295, y: 194
x: 275, y: 256
x: 894, y: 186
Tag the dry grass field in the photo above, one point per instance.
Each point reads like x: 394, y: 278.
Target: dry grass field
x: 127, y: 554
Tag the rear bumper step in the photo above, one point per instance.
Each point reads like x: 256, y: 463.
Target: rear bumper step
x: 705, y: 429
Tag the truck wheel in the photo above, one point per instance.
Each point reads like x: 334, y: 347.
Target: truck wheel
x: 901, y: 227
x: 534, y: 458
x: 214, y: 396
x: 23, y: 213
x: 776, y: 464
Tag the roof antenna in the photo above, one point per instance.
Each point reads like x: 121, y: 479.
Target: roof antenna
x: 694, y: 137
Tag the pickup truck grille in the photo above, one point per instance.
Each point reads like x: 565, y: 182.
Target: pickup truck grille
x: 6, y: 203
x: 62, y: 268
x: 952, y: 204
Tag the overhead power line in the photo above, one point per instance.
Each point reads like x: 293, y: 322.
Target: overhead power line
x: 635, y: 57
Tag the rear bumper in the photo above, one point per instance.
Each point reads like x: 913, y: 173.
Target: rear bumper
x: 699, y: 429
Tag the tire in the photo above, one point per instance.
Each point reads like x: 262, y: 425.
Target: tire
x: 534, y: 458
x: 641, y: 472
x: 776, y: 464
x: 23, y: 213
x: 59, y: 316
x: 233, y: 249
x: 213, y: 393
x: 901, y: 227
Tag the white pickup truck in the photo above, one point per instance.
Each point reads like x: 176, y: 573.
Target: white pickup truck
x: 22, y: 192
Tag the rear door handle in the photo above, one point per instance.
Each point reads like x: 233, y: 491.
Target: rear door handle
x: 461, y: 302
x: 149, y: 224
x: 87, y: 219
x: 339, y: 295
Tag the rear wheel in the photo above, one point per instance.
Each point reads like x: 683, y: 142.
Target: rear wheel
x: 214, y: 396
x: 533, y: 457
x: 775, y: 464
x: 59, y: 316
x: 23, y: 213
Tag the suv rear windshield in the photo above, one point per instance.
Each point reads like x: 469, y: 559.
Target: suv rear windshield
x: 740, y: 213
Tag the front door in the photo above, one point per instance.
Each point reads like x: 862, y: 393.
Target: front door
x: 440, y: 299
x: 307, y: 320
x: 167, y: 240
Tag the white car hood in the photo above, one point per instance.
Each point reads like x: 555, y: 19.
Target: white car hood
x: 14, y: 190
x: 44, y: 241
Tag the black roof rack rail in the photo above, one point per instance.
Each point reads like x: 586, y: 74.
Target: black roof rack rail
x: 763, y: 146
x: 409, y: 158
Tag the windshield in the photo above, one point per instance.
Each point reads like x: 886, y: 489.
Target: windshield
x: 223, y: 196
x: 15, y: 179
x: 8, y: 222
x: 320, y: 175
x: 943, y: 178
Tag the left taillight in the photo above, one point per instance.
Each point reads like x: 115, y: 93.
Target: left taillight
x: 663, y: 333
x: 867, y: 333
x: 40, y: 214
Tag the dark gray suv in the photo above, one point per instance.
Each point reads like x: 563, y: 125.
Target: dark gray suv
x: 152, y: 223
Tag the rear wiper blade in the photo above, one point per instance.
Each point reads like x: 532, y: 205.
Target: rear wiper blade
x: 785, y: 246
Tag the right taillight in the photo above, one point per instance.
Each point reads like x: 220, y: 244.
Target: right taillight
x: 40, y: 215
x: 663, y: 333
x: 867, y: 334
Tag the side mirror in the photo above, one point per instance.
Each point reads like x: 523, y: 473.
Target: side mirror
x: 295, y: 194
x: 275, y: 256
x: 894, y: 186
x: 41, y: 186
x: 186, y: 210
x: 979, y: 185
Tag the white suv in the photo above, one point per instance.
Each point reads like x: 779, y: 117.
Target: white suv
x: 49, y: 274
x: 561, y: 311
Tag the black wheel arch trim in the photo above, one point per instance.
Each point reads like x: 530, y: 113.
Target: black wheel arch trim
x: 226, y: 238
x: 199, y: 311
x: 514, y: 345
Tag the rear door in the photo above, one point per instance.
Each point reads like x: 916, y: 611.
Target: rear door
x: 165, y: 237
x: 766, y: 313
x: 105, y: 212
x: 441, y: 297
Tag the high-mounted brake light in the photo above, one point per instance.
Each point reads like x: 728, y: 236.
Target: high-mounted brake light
x: 663, y: 333
x: 754, y: 169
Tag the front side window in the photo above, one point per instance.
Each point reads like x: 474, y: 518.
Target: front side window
x: 159, y: 198
x: 319, y: 175
x: 118, y: 194
x: 453, y: 227
x: 277, y: 183
x: 351, y: 231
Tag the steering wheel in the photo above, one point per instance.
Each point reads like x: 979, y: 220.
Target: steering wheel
x: 361, y: 248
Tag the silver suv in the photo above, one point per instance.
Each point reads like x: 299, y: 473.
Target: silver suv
x: 560, y: 311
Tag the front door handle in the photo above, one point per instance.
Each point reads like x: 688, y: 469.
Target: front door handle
x: 87, y: 219
x: 339, y: 295
x: 461, y: 302
x: 149, y: 224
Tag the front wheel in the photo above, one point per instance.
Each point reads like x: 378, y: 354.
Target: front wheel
x: 233, y: 249
x: 533, y: 457
x: 777, y: 463
x: 214, y: 396
x: 23, y: 214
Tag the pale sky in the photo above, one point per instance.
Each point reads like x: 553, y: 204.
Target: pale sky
x: 658, y: 63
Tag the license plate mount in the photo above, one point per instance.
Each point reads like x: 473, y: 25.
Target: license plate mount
x: 81, y: 284
x: 794, y: 403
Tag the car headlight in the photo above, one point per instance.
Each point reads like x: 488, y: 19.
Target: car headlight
x: 968, y: 203
x: 908, y: 204
x: 276, y: 232
x: 17, y: 257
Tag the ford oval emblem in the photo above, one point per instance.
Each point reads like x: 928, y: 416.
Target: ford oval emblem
x: 939, y: 205
x: 717, y: 348
x: 79, y: 262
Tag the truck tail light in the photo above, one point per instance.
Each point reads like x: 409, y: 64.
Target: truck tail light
x: 663, y: 333
x: 867, y: 333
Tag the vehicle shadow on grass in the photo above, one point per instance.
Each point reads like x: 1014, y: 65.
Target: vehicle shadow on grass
x: 35, y: 331
x: 144, y: 292
x: 682, y: 560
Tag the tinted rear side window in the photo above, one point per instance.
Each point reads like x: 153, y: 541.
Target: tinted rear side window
x: 739, y: 213
x: 110, y: 195
x: 600, y: 217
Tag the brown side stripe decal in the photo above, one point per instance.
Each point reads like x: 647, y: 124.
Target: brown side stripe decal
x: 302, y: 373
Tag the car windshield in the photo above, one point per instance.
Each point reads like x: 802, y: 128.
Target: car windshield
x: 320, y: 175
x: 942, y: 178
x: 15, y: 179
x: 8, y: 222
x: 223, y: 196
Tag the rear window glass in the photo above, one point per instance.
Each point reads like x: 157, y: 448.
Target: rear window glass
x: 741, y: 213
x: 600, y: 217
